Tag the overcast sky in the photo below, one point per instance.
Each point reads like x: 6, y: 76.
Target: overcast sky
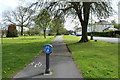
x: 12, y: 4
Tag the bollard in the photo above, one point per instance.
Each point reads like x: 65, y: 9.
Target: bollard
x: 47, y: 70
x: 91, y: 37
x: 47, y: 50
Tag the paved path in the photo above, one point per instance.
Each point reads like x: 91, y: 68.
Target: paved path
x: 61, y: 64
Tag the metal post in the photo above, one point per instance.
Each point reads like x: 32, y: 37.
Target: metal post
x: 91, y: 28
x: 47, y: 71
x: 91, y: 38
x: 48, y: 51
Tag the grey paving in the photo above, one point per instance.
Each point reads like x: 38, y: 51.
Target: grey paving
x: 108, y: 39
x: 60, y: 47
x: 61, y: 64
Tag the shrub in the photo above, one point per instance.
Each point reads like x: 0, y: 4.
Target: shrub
x: 12, y: 32
x: 104, y: 34
x: 117, y: 32
x: 51, y: 34
x: 117, y: 35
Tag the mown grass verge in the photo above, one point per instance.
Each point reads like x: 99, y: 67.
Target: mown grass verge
x: 94, y: 59
x: 19, y: 51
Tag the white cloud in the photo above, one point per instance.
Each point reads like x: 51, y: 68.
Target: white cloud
x: 7, y: 5
x: 12, y: 4
x: 119, y: 12
x: 71, y: 23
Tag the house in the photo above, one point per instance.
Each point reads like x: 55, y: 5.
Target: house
x: 102, y: 25
x: 78, y: 31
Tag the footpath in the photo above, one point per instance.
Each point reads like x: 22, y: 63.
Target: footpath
x: 61, y: 64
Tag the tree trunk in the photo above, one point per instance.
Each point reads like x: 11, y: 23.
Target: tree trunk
x: 57, y: 31
x: 84, y: 20
x: 84, y: 37
x: 21, y: 30
x: 44, y: 32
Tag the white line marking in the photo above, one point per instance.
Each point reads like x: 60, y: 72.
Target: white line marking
x: 39, y: 64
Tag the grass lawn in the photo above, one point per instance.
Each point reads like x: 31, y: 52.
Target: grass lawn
x: 18, y: 52
x: 94, y: 59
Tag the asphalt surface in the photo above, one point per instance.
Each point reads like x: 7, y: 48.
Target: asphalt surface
x: 61, y: 64
x: 108, y: 39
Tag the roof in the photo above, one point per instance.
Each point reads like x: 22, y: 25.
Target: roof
x: 118, y: 3
x: 79, y: 29
x: 103, y: 22
x: 113, y: 29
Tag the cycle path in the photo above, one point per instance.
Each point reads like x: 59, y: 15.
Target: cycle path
x: 61, y: 64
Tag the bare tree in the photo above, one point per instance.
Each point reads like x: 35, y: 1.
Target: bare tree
x: 20, y: 17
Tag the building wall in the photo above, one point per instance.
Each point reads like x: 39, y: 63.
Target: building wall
x: 98, y: 28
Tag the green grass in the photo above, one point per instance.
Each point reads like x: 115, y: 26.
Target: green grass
x: 94, y: 59
x: 18, y: 52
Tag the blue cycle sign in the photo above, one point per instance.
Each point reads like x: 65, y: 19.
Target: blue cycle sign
x: 47, y: 49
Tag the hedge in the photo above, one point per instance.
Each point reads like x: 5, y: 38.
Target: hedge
x: 105, y: 34
x: 12, y: 32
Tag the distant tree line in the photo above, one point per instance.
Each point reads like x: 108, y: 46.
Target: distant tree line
x: 43, y: 21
